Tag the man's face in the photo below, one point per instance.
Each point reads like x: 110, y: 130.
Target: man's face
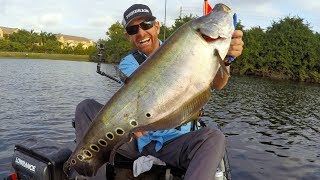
x: 145, y: 40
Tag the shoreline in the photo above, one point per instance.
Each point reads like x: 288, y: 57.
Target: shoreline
x: 85, y: 58
x: 278, y: 76
x: 27, y: 55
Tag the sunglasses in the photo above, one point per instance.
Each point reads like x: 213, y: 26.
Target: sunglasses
x: 145, y: 25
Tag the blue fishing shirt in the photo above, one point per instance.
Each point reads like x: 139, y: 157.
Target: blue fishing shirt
x: 128, y: 65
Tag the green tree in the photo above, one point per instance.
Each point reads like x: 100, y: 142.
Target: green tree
x: 164, y: 35
x: 240, y: 26
x: 181, y: 21
x: 290, y: 48
x: 6, y: 45
x: 315, y: 67
x: 44, y: 37
x: 252, y: 57
x: 52, y: 46
x: 116, y: 45
x: 23, y: 37
x: 79, y: 49
x: 178, y: 23
x: 92, y: 51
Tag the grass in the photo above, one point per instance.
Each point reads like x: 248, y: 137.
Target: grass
x: 26, y: 55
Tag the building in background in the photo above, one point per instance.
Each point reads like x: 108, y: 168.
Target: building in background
x: 73, y: 41
x: 66, y: 40
x: 7, y: 31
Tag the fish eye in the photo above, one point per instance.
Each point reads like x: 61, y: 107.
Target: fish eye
x: 148, y: 115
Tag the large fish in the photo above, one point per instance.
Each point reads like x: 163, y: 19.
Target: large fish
x: 163, y: 93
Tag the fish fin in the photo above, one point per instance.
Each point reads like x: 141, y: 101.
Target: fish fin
x: 124, y: 78
x: 223, y: 68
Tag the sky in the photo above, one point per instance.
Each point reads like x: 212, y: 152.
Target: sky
x: 92, y: 18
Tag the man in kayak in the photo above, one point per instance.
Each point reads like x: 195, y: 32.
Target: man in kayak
x: 198, y: 152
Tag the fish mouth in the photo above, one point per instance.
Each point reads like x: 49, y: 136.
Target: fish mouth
x: 208, y: 35
x: 210, y: 39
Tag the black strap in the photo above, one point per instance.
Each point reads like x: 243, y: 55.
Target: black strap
x: 140, y: 58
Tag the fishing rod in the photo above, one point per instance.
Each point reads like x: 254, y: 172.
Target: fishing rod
x: 101, y: 49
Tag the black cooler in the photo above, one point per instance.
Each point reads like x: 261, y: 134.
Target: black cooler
x: 39, y: 159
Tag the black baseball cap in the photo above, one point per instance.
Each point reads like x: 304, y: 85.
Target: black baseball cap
x: 135, y: 11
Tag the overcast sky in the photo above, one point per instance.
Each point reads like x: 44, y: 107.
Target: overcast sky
x: 92, y: 18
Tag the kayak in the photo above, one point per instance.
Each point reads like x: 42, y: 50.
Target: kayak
x: 38, y: 159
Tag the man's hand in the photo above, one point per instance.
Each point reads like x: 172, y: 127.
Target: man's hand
x: 140, y: 133
x: 235, y: 50
x: 236, y: 45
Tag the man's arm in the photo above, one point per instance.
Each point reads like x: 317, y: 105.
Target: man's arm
x: 235, y: 50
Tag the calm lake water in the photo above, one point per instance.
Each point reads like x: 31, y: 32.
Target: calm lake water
x: 272, y: 127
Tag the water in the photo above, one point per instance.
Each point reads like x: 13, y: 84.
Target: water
x: 38, y: 98
x: 272, y: 127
